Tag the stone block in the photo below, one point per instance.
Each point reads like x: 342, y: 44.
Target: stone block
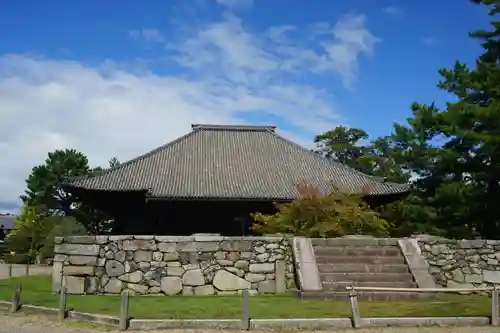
x: 154, y: 290
x: 255, y: 277
x: 74, y: 285
x: 268, y: 286
x: 39, y: 270
x: 208, y: 238
x: 280, y: 276
x: 236, y: 271
x: 193, y: 278
x: 170, y: 256
x: 171, y: 285
x: 77, y: 249
x: 187, y: 291
x: 187, y: 247
x: 60, y: 258
x: 144, y: 237
x: 114, y: 286
x: 83, y: 260
x: 145, y: 256
x: 57, y: 276
x: 224, y: 262
x: 242, y: 264
x: 236, y: 246
x: 92, y: 285
x: 262, y: 268
x: 474, y: 278
x: 453, y: 284
x: 80, y: 239
x: 175, y: 271
x: 101, y: 239
x: 78, y: 270
x: 4, y: 271
x: 205, y: 290
x: 138, y: 244
x: 117, y: 238
x: 207, y: 246
x: 134, y: 277
x: 225, y: 281
x: 114, y: 268
x: 491, y: 276
x: 18, y: 270
x: 138, y: 288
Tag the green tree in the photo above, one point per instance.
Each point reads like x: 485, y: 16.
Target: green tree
x: 350, y: 146
x: 44, y: 182
x: 343, y: 145
x: 44, y: 190
x: 34, y: 233
x: 60, y: 226
x: 454, y: 152
x: 114, y: 162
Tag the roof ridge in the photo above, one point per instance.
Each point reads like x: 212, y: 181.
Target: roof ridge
x: 257, y: 128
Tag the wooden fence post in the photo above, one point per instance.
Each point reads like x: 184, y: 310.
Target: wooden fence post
x: 63, y: 298
x: 17, y: 298
x: 245, y: 317
x: 353, y: 299
x: 495, y: 319
x: 124, y: 312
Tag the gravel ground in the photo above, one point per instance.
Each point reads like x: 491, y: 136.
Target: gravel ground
x: 20, y: 323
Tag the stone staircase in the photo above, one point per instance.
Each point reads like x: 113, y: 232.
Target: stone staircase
x: 363, y: 263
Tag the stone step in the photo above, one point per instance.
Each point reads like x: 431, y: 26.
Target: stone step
x: 359, y: 260
x: 349, y: 241
x: 368, y: 296
x: 341, y: 286
x: 366, y: 277
x: 357, y: 251
x: 362, y: 268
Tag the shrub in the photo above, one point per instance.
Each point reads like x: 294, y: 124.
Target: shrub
x: 34, y: 236
x: 61, y: 226
x: 317, y: 215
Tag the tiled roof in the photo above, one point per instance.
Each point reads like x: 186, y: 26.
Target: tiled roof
x: 232, y: 162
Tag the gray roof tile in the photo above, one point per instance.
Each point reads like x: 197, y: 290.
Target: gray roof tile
x: 239, y: 162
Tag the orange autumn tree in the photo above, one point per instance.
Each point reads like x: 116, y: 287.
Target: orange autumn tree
x: 316, y: 215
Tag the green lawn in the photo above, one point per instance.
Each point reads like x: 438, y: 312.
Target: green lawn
x: 37, y: 291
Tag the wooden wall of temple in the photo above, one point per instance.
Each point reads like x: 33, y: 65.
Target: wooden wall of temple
x: 136, y: 215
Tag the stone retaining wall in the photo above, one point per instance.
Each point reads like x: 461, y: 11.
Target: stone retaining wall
x: 462, y: 263
x: 171, y: 265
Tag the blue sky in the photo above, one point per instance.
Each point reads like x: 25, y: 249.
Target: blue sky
x: 117, y: 78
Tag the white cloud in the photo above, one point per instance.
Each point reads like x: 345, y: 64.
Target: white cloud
x: 118, y: 110
x: 150, y: 35
x: 246, y: 56
x: 235, y: 3
x: 393, y: 11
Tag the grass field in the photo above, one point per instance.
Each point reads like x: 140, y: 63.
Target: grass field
x: 37, y: 291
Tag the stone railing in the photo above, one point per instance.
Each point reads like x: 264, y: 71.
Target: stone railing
x: 171, y: 265
x: 462, y: 263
